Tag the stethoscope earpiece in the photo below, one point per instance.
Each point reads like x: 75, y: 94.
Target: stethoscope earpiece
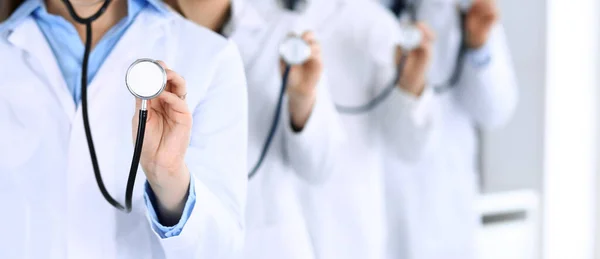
x: 294, y: 50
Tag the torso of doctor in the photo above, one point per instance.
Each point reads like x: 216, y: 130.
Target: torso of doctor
x: 275, y: 227
x: 430, y: 201
x: 345, y: 215
x: 51, y: 205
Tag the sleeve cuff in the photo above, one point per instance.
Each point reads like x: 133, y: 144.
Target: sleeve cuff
x: 416, y: 108
x: 481, y: 57
x: 169, y: 231
x: 323, y: 110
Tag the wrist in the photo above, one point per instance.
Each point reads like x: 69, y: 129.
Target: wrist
x: 171, y: 192
x: 300, y: 108
x: 476, y: 42
x: 415, y: 88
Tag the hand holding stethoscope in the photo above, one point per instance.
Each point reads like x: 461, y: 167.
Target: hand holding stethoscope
x: 303, y: 79
x: 476, y: 20
x: 301, y: 66
x: 480, y: 18
x: 414, y: 57
x: 168, y: 129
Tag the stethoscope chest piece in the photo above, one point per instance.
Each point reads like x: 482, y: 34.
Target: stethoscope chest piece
x: 146, y: 79
x: 294, y: 50
x: 410, y: 37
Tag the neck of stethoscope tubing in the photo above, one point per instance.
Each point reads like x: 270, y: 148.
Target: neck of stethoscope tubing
x: 144, y: 106
x: 274, y: 123
x: 141, y: 127
x: 89, y: 20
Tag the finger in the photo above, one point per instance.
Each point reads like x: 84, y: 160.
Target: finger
x: 309, y: 37
x: 315, y: 52
x: 162, y: 64
x: 138, y: 103
x: 428, y: 33
x: 483, y: 7
x: 176, y: 83
x: 175, y: 103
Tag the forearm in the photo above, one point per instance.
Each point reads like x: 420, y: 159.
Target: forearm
x: 487, y: 91
x: 171, y: 199
x: 312, y: 148
x: 300, y: 109
x: 409, y: 121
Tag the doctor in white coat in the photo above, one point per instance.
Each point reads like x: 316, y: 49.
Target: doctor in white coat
x: 308, y: 137
x: 346, y: 215
x: 189, y: 201
x: 431, y: 203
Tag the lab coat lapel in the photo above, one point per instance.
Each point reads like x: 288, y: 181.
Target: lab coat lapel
x: 320, y: 15
x: 29, y: 38
x: 248, y: 29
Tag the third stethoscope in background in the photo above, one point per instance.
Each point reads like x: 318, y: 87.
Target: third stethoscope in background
x: 410, y: 38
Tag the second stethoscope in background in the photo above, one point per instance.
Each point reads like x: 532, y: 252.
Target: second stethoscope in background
x: 410, y: 38
x: 293, y: 51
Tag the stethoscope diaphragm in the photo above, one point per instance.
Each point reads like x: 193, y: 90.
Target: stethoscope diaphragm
x: 410, y: 37
x: 146, y: 79
x: 294, y: 50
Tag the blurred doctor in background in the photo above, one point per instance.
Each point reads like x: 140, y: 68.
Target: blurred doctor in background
x: 346, y: 215
x: 430, y: 203
x: 307, y: 139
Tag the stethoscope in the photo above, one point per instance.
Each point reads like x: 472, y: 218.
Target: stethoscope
x: 145, y: 79
x: 410, y: 39
x: 411, y: 36
x: 293, y: 51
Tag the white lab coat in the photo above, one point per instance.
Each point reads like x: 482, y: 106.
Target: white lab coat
x: 51, y: 205
x: 275, y: 226
x: 346, y: 215
x: 430, y: 203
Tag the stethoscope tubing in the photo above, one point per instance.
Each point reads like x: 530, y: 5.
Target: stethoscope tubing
x: 274, y: 125
x: 143, y: 115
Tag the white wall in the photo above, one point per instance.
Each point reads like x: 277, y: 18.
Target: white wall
x: 571, y: 132
x: 513, y: 156
x: 551, y: 144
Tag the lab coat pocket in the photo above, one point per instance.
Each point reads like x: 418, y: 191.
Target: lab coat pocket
x: 22, y: 129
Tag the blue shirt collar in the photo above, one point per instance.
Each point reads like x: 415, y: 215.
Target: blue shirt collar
x: 38, y: 8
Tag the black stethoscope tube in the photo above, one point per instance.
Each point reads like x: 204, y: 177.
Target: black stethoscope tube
x: 274, y: 124
x: 379, y: 98
x: 143, y: 115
